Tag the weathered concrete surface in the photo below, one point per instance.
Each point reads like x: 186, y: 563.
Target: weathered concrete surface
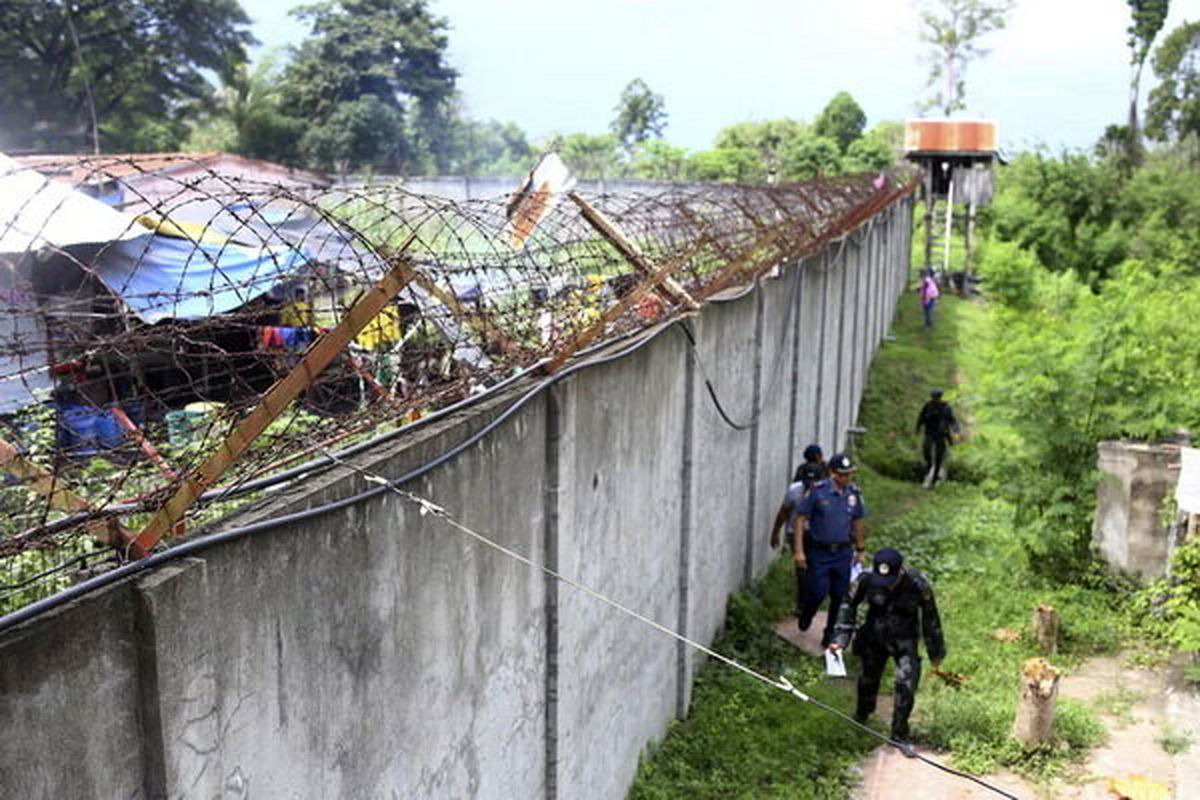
x: 370, y: 651
x: 618, y: 506
x: 69, y: 703
x: 1136, y: 478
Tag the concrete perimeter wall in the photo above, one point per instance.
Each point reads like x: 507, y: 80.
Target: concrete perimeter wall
x: 375, y: 652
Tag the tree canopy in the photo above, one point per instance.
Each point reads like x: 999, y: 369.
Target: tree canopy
x: 842, y: 120
x: 952, y: 29
x: 114, y: 73
x: 371, y: 81
x: 640, y: 115
x: 1174, y: 107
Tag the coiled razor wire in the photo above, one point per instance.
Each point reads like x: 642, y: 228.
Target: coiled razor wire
x: 142, y: 324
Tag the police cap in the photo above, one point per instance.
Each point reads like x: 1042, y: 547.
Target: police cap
x: 842, y: 463
x: 885, y: 569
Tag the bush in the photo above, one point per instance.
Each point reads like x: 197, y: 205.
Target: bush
x: 1009, y: 273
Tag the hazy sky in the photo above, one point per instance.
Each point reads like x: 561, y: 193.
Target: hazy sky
x: 1057, y: 75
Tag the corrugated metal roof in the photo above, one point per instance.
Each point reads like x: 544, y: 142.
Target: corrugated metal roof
x: 82, y: 169
x: 950, y: 136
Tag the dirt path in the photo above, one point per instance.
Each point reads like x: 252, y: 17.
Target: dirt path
x: 1145, y: 711
x: 1141, y: 709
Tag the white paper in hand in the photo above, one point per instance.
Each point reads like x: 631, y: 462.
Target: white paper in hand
x: 856, y: 570
x: 835, y: 667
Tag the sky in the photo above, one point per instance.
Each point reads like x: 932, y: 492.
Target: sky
x: 1055, y: 77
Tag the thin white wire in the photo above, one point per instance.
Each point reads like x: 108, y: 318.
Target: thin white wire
x: 781, y: 683
x: 429, y: 507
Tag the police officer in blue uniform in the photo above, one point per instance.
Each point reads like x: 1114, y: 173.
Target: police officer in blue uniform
x: 831, y: 516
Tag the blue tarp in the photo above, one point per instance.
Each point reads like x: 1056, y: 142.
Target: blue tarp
x: 161, y: 277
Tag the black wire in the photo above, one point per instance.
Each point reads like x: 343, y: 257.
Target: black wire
x: 755, y: 413
x: 712, y: 392
x: 12, y: 587
x: 199, y: 544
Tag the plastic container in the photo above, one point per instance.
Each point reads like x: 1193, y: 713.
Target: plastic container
x: 86, y: 430
x: 183, y: 423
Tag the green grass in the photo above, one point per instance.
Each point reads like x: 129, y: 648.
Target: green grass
x: 1118, y: 704
x: 1173, y: 741
x: 744, y: 740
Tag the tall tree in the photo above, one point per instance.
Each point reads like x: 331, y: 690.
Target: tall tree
x: 117, y: 73
x: 588, y: 156
x: 640, y: 115
x: 490, y: 148
x: 1148, y: 18
x: 657, y: 160
x: 246, y: 116
x: 1174, y: 107
x: 952, y: 29
x: 768, y: 139
x: 811, y: 157
x: 842, y: 120
x: 366, y: 64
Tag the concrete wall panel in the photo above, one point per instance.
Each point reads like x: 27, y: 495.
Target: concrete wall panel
x: 69, y: 702
x: 619, y: 506
x: 781, y: 302
x: 725, y: 353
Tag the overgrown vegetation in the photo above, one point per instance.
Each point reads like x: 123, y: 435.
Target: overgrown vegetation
x: 1093, y: 275
x: 967, y: 538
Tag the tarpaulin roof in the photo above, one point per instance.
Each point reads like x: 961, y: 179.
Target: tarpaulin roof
x: 24, y: 374
x: 162, y: 277
x: 36, y: 213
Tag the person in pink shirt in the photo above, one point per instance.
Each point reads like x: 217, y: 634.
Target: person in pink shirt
x: 929, y: 293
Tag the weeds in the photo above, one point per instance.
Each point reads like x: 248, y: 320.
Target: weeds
x: 743, y: 740
x: 1117, y: 704
x: 1174, y: 741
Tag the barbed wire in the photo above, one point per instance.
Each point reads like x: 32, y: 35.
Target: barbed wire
x: 143, y: 338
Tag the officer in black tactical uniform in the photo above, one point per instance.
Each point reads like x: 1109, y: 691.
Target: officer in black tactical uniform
x: 937, y: 419
x: 900, y: 608
x: 813, y: 469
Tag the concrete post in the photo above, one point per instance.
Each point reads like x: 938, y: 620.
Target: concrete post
x: 819, y: 377
x: 856, y: 337
x: 755, y: 416
x: 797, y: 307
x: 550, y: 516
x: 839, y: 418
x: 179, y: 699
x: 682, y: 670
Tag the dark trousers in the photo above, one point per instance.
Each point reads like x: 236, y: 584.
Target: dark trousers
x: 827, y: 575
x: 927, y: 307
x: 872, y: 659
x: 934, y: 451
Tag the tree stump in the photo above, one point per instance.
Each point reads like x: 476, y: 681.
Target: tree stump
x: 1045, y: 629
x: 1035, y: 710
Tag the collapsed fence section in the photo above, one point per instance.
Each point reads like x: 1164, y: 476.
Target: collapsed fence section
x: 169, y: 355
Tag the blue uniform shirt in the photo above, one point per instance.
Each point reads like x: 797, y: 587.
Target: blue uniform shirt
x: 831, y: 511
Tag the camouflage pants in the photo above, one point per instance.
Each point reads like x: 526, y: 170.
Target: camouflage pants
x: 873, y: 659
